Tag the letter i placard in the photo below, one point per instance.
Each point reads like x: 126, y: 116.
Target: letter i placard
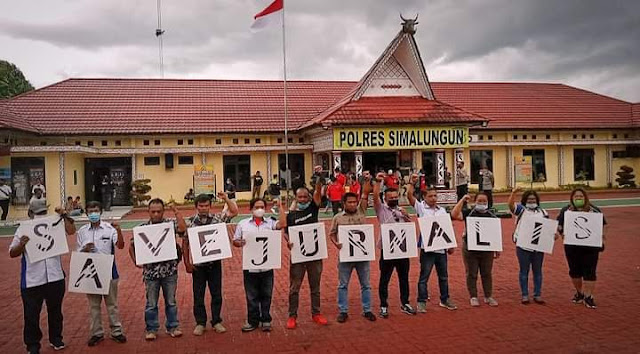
x: 536, y: 234
x: 262, y: 250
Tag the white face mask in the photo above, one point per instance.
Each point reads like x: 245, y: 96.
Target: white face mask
x: 258, y: 213
x: 481, y: 207
x: 531, y: 205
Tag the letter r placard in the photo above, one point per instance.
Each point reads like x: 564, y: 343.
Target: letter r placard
x: 358, y: 243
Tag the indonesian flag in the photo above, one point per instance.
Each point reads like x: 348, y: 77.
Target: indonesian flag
x: 271, y: 15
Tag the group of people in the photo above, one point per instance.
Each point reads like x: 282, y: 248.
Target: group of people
x: 44, y: 280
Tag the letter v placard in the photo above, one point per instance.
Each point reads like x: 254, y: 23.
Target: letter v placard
x: 155, y: 243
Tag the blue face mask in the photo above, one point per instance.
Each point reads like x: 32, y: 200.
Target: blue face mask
x: 94, y: 217
x: 303, y: 206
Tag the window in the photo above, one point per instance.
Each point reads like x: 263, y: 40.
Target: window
x: 235, y: 141
x: 156, y: 142
x: 152, y: 161
x: 537, y: 164
x: 490, y: 137
x: 180, y: 142
x: 258, y: 141
x: 575, y: 136
x: 480, y: 158
x: 615, y: 136
x: 189, y: 141
x: 534, y: 137
x: 218, y: 141
x: 246, y: 141
x: 290, y: 140
x: 118, y: 143
x: 584, y: 136
x: 591, y: 136
x: 104, y: 143
x: 90, y: 143
x: 238, y: 169
x: 301, y: 140
x: 548, y: 136
x: 78, y: 143
x: 524, y: 137
x: 145, y: 142
x: 279, y: 140
x: 626, y: 136
x: 481, y: 137
x: 583, y: 164
x: 43, y: 143
x: 515, y: 137
x: 75, y: 177
x: 185, y: 160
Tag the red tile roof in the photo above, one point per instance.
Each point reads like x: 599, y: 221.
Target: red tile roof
x: 636, y: 114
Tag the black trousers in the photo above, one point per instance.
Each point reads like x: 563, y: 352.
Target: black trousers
x: 4, y: 204
x: 207, y: 275
x: 490, y: 197
x: 32, y: 299
x: 386, y: 270
x: 258, y: 288
x: 462, y: 190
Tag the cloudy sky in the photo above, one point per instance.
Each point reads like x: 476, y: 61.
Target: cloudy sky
x: 589, y: 44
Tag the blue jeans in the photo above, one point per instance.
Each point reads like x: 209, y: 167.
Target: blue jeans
x: 344, y: 275
x: 427, y: 261
x: 168, y: 286
x: 533, y: 260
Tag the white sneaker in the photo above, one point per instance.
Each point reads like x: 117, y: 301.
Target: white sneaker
x: 199, y: 330
x: 491, y: 301
x: 474, y: 302
x: 219, y: 328
x: 422, y: 307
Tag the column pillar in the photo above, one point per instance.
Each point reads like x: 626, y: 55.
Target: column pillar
x: 560, y: 165
x: 62, y: 180
x: 440, y: 168
x: 359, y: 166
x: 134, y: 171
x: 337, y: 159
x: 609, y: 166
x: 510, y: 168
x: 204, y: 159
x: 268, y: 167
x: 458, y: 157
x: 414, y: 161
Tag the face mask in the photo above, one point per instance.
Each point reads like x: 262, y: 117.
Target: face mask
x: 481, y: 207
x: 578, y: 203
x: 258, y: 213
x: 531, y: 205
x: 303, y: 206
x: 94, y: 217
x: 392, y: 203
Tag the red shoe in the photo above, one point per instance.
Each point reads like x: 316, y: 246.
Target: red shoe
x: 319, y: 319
x: 291, y: 323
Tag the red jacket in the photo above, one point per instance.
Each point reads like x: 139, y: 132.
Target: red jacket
x: 392, y: 182
x: 341, y: 179
x: 335, y: 192
x: 355, y: 188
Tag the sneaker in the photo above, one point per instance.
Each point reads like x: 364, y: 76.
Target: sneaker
x: 174, y: 332
x: 578, y: 298
x: 369, y: 315
x: 422, y: 307
x: 384, y: 312
x: 538, y: 300
x: 342, y: 317
x: 291, y: 323
x: 491, y: 301
x: 448, y: 305
x: 95, y: 340
x: 219, y: 328
x: 406, y: 308
x: 319, y: 319
x: 589, y: 302
x: 525, y: 300
x: 150, y: 336
x: 199, y: 330
x: 474, y: 302
x: 57, y: 345
x: 248, y: 327
x: 120, y: 338
x: 266, y: 326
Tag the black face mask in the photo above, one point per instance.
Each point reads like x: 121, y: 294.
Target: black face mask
x: 392, y: 203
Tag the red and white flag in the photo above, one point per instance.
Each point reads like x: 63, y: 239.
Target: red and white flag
x: 271, y: 15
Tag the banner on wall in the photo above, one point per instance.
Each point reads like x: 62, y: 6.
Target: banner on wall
x: 203, y: 179
x: 398, y: 138
x: 524, y: 169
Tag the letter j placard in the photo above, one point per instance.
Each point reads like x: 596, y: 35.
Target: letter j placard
x: 262, y: 250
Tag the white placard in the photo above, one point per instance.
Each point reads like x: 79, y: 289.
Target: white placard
x: 90, y: 273
x: 583, y: 229
x: 536, y: 233
x: 484, y: 234
x: 209, y: 243
x: 155, y: 243
x: 309, y: 242
x: 358, y: 243
x: 263, y: 250
x: 437, y: 233
x: 47, y: 237
x: 399, y: 240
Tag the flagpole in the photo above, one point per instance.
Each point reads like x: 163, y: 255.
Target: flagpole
x: 286, y: 125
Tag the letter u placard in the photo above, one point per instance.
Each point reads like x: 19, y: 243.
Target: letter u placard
x: 484, y: 234
x: 155, y: 243
x: 90, y: 273
x: 583, y: 229
x: 262, y: 250
x: 399, y: 240
x: 309, y: 243
x: 209, y: 243
x: 47, y: 238
x: 358, y: 243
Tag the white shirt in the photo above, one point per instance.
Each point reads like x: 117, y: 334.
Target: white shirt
x: 40, y: 186
x: 249, y: 225
x: 521, y: 212
x: 5, y: 192
x: 422, y: 209
x: 104, y: 237
x: 39, y: 273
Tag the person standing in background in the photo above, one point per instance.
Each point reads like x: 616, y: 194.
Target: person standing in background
x: 486, y: 183
x: 5, y: 198
x: 462, y: 180
x: 257, y: 185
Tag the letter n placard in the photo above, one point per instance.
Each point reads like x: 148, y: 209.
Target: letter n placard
x: 309, y: 242
x: 484, y: 234
x: 583, y: 229
x: 209, y: 243
x: 262, y: 250
x: 155, y: 243
x: 90, y: 273
x: 358, y: 243
x: 399, y: 240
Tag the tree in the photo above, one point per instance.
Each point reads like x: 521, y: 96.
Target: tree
x: 12, y: 81
x: 625, y: 177
x: 139, y: 190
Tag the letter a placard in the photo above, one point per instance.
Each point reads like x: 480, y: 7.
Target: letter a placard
x: 437, y: 233
x: 484, y: 234
x: 309, y: 242
x: 155, y: 243
x: 536, y: 234
x: 262, y: 250
x: 399, y: 240
x: 583, y: 229
x: 47, y: 238
x: 90, y: 273
x: 209, y: 243
x: 358, y: 243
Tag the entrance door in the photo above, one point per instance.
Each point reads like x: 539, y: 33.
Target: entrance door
x: 429, y: 166
x: 117, y: 169
x: 379, y: 161
x: 296, y: 168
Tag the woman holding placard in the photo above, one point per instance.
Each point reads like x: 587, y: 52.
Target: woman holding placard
x: 582, y: 260
x: 475, y: 261
x: 529, y: 206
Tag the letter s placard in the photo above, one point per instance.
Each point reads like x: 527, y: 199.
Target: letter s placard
x: 583, y: 229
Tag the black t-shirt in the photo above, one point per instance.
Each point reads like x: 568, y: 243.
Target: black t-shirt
x: 231, y: 191
x: 303, y: 217
x: 473, y: 213
x: 257, y: 180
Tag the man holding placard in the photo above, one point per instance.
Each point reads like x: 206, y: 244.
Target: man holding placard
x: 581, y: 225
x: 429, y: 207
x: 354, y: 213
x: 481, y: 256
x: 305, y: 212
x: 42, y: 280
x: 161, y: 274
x: 101, y: 237
x: 209, y: 272
x: 258, y: 283
x: 388, y: 213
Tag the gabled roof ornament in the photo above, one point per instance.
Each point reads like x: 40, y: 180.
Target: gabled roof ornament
x: 409, y: 25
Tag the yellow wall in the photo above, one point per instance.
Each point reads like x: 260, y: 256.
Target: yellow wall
x: 74, y: 162
x: 551, y: 165
x: 167, y: 183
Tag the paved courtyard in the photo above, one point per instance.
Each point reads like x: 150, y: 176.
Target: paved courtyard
x: 558, y: 326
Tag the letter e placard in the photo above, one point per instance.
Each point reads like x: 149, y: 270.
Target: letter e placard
x: 209, y: 243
